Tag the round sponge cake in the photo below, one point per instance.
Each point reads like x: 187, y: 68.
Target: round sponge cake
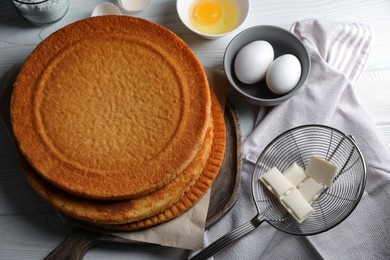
x: 111, y: 107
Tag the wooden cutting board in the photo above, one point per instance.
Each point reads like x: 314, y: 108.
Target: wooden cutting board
x: 224, y: 194
x: 226, y: 186
x: 224, y: 191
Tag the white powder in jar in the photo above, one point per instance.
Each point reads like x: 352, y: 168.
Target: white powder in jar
x: 41, y: 12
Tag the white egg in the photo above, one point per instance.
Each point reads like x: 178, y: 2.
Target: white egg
x: 134, y: 5
x: 283, y: 74
x: 106, y: 8
x: 252, y: 61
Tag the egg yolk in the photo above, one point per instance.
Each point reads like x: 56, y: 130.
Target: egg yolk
x: 207, y: 12
x: 213, y: 16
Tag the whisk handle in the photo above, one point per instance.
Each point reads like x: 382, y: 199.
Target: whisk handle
x: 227, y: 239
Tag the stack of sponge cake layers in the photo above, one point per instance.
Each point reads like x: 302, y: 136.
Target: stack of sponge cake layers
x: 116, y: 124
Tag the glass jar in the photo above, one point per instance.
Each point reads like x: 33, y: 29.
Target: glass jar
x: 42, y: 11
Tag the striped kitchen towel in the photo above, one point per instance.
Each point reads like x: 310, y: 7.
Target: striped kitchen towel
x: 345, y: 47
x: 338, y: 53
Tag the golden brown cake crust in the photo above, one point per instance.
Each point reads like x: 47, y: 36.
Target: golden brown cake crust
x: 111, y: 107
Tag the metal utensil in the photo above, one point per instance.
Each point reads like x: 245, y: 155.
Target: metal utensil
x: 333, y: 205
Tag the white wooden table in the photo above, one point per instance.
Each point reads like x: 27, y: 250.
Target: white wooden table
x: 30, y: 228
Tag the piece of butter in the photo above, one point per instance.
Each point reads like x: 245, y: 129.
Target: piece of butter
x: 297, y: 206
x: 295, y: 174
x: 310, y: 190
x: 320, y: 170
x: 275, y: 181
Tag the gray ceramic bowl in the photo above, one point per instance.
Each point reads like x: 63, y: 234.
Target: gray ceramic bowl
x: 283, y: 42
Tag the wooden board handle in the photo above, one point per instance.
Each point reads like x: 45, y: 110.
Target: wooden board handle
x: 76, y: 245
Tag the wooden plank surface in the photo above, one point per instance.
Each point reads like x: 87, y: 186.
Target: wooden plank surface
x: 30, y: 228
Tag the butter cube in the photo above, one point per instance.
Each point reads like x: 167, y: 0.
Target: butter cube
x: 297, y: 206
x: 275, y: 181
x: 320, y: 170
x: 295, y: 174
x: 311, y: 190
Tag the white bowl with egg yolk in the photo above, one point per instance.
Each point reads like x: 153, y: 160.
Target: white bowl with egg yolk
x: 212, y: 19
